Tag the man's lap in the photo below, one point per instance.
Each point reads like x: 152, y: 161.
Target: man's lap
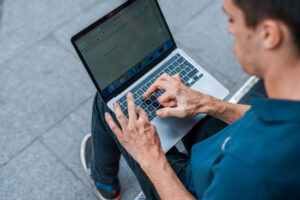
x: 177, y: 160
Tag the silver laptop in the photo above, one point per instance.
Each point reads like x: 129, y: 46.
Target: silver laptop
x: 127, y: 50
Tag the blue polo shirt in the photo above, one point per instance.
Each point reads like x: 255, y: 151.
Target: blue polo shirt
x: 257, y: 157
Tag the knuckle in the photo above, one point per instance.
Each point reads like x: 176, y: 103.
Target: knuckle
x: 131, y: 126
x: 113, y: 127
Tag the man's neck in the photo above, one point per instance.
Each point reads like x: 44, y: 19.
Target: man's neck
x: 282, y: 81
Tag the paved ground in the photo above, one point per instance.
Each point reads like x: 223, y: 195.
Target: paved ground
x: 46, y: 96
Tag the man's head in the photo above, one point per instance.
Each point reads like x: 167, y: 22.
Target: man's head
x: 263, y: 30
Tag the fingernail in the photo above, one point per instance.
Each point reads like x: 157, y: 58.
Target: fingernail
x: 158, y: 112
x: 129, y: 94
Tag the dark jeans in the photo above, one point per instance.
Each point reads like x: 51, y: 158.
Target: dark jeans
x: 106, y: 150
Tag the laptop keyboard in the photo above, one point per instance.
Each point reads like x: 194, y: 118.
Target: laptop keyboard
x: 177, y: 64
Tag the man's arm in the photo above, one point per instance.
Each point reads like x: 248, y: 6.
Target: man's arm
x: 141, y: 140
x: 181, y: 101
x: 165, y: 181
x: 225, y: 111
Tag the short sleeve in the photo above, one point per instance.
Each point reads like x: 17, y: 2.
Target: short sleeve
x: 235, y: 180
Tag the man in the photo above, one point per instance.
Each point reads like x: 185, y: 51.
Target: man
x: 255, y: 157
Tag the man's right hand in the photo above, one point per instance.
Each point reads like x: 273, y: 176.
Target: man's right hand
x: 179, y: 100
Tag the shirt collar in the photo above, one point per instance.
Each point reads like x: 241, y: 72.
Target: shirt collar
x: 276, y: 110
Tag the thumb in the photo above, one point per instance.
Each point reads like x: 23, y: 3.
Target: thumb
x: 170, y: 112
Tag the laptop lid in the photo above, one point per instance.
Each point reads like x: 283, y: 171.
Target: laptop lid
x: 123, y: 45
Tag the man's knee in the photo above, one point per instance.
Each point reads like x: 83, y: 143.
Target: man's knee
x: 99, y: 106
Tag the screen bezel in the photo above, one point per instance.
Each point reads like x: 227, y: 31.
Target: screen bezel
x: 140, y: 74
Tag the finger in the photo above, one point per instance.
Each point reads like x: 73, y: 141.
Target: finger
x: 120, y: 115
x: 157, y: 85
x: 165, y: 98
x: 164, y: 77
x: 131, y: 107
x: 142, y: 114
x: 170, y: 112
x: 172, y: 104
x: 177, y: 77
x: 112, y: 125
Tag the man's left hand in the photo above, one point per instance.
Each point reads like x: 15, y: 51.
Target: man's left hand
x: 137, y: 135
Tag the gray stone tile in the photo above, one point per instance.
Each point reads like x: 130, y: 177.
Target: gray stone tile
x: 207, y: 39
x: 24, y: 23
x: 132, y: 191
x: 37, y: 174
x: 69, y: 133
x: 178, y: 12
x: 64, y: 34
x: 37, y: 90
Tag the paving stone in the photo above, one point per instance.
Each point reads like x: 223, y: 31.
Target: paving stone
x: 178, y: 12
x: 64, y: 34
x: 1, y: 4
x: 37, y: 174
x: 24, y: 22
x: 65, y: 140
x: 132, y: 191
x: 207, y: 39
x: 37, y: 90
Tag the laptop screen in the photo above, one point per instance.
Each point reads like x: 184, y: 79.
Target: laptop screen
x: 126, y: 44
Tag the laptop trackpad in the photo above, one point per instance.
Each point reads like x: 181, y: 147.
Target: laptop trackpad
x: 171, y: 130
x: 167, y: 134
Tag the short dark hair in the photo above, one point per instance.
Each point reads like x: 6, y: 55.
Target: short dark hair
x: 287, y: 11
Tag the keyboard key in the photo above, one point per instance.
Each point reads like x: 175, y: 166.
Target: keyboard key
x: 201, y: 75
x: 173, y: 73
x: 186, y: 79
x: 160, y: 107
x: 188, y: 69
x: 122, y: 108
x: 193, y: 82
x: 138, y: 102
x: 188, y: 84
x: 148, y: 102
x: 171, y: 67
x: 155, y: 104
x: 192, y: 73
x: 156, y: 94
x: 152, y: 98
x: 140, y: 92
x: 136, y: 96
x: 148, y: 85
x: 196, y: 78
x: 142, y: 99
x: 175, y: 64
x: 144, y: 89
x: 150, y: 108
x: 186, y: 63
x: 144, y: 106
x: 180, y: 60
x: 122, y: 99
x: 183, y: 73
x: 167, y: 70
x: 177, y: 69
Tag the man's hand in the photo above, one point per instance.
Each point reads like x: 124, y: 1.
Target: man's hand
x: 137, y: 135
x: 179, y: 100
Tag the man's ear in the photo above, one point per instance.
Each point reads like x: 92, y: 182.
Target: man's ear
x: 271, y: 34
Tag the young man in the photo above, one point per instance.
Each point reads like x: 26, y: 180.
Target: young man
x: 255, y: 157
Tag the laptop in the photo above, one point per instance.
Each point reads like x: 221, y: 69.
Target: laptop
x: 127, y: 50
